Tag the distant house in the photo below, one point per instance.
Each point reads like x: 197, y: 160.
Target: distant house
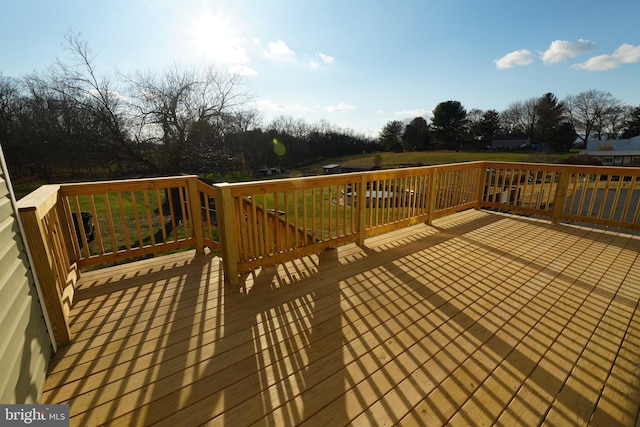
x: 331, y: 169
x: 510, y: 141
x: 614, y: 152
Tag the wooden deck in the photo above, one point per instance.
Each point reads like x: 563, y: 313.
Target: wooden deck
x: 480, y: 319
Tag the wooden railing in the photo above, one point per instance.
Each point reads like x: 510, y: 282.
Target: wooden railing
x: 257, y: 224
x: 73, y: 226
x: 333, y: 210
x: 54, y: 261
x: 590, y: 194
x: 339, y: 209
x: 252, y: 217
x: 138, y: 218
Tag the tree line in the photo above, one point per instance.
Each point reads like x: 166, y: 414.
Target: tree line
x: 545, y: 120
x: 72, y: 121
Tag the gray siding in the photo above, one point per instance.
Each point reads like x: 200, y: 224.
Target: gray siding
x: 25, y: 346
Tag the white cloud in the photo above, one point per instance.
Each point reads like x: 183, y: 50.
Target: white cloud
x: 269, y: 105
x: 418, y: 112
x: 279, y: 51
x: 326, y: 58
x: 314, y: 64
x: 340, y: 107
x: 231, y: 53
x: 625, y: 54
x: 559, y: 50
x: 242, y: 70
x: 514, y: 59
x: 280, y: 108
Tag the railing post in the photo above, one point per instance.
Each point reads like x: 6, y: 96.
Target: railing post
x: 561, y: 195
x: 482, y: 176
x: 226, y: 228
x: 431, y: 196
x: 44, y: 268
x: 361, y: 203
x: 196, y: 214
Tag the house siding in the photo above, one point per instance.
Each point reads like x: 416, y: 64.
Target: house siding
x: 25, y: 346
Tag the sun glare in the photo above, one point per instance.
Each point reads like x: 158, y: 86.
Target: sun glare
x: 214, y: 38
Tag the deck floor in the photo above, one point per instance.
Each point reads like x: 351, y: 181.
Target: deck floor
x: 480, y: 319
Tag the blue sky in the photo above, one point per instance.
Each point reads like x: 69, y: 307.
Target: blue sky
x: 356, y: 64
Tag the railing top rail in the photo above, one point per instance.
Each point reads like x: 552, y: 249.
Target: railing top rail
x: 251, y: 187
x: 203, y: 186
x: 42, y: 200
x: 608, y: 170
x: 289, y: 180
x: 515, y: 165
x: 123, y: 185
x: 611, y: 170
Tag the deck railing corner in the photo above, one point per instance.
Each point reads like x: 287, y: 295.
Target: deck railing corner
x: 258, y: 224
x: 48, y: 231
x: 227, y: 230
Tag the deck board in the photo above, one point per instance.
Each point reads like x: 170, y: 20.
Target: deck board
x: 482, y: 318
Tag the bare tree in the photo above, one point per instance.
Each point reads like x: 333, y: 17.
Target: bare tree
x: 8, y: 102
x: 12, y: 114
x: 184, y: 111
x: 298, y: 128
x: 590, y: 111
x: 474, y: 117
x: 244, y: 121
x: 76, y: 83
x: 614, y: 120
x: 520, y: 116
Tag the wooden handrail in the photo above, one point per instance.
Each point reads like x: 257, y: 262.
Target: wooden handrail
x: 138, y: 218
x: 278, y: 220
x: 608, y: 196
x: 47, y: 232
x: 71, y: 226
x: 267, y: 222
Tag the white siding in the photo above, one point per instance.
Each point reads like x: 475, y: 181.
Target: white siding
x: 25, y: 346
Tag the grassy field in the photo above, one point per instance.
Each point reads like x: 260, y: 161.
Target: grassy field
x: 424, y: 158
x: 389, y: 160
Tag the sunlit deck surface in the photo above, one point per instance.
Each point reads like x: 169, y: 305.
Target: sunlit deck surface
x: 481, y: 319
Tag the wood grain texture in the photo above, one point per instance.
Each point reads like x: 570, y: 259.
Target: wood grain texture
x: 481, y: 318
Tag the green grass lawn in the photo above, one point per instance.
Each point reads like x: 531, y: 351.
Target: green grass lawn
x: 389, y: 160
x: 393, y: 160
x: 325, y: 208
x: 23, y: 188
x: 133, y: 218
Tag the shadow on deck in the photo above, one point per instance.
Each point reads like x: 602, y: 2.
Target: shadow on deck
x: 480, y: 318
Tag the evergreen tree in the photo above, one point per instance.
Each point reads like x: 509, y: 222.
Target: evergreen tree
x: 632, y: 125
x: 449, y: 122
x: 489, y: 125
x: 391, y: 136
x: 416, y: 135
x: 550, y: 115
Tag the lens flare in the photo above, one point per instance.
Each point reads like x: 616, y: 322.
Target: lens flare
x: 279, y: 147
